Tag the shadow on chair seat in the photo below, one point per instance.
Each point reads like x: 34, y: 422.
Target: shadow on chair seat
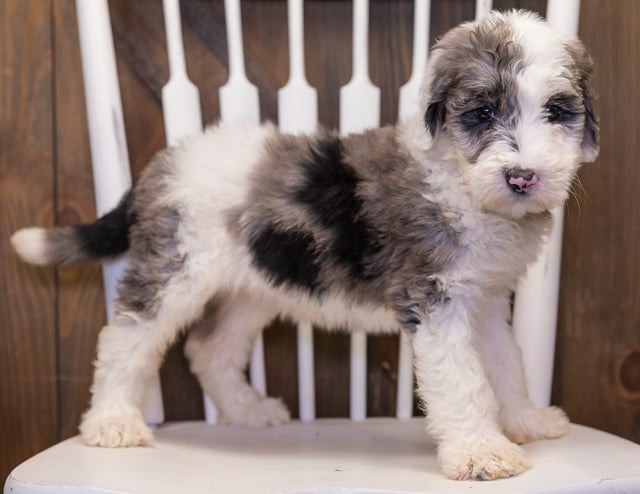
x: 325, y: 457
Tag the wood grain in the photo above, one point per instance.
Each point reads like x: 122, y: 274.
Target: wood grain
x: 599, y: 321
x: 138, y: 32
x: 28, y: 398
x: 80, y: 297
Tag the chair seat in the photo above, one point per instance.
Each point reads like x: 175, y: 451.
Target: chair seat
x: 327, y: 456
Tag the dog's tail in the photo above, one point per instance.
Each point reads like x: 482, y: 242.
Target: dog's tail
x: 107, y: 237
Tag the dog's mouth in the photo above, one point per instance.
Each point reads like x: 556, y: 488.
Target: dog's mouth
x: 515, y: 191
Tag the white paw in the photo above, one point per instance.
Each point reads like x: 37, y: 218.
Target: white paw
x: 482, y: 458
x: 115, y: 428
x: 263, y: 412
x: 535, y: 423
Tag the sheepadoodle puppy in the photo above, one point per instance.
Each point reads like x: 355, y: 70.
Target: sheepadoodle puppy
x: 424, y: 227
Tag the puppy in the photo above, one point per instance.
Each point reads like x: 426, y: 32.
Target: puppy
x: 423, y: 228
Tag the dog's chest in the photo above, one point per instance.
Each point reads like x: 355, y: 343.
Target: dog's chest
x: 495, y: 249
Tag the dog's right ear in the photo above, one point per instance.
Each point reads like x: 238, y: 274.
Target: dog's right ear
x: 439, y: 82
x: 435, y: 115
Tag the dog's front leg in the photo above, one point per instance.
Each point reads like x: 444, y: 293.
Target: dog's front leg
x: 520, y: 419
x: 462, y: 412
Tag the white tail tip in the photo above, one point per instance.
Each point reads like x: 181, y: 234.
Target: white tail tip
x: 31, y: 245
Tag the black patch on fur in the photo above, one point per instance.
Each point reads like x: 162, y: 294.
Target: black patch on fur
x: 477, y: 67
x: 137, y: 292
x: 330, y: 194
x: 408, y: 312
x: 154, y: 259
x: 435, y: 116
x: 590, y: 124
x: 563, y: 109
x: 109, y: 235
x: 287, y: 256
x: 474, y: 121
x: 414, y: 303
x: 584, y: 67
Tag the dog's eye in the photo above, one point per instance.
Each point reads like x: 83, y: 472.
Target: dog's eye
x: 484, y: 113
x: 478, y: 117
x: 562, y: 108
x: 555, y: 113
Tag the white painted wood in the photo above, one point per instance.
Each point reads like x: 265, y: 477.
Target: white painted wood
x: 306, y: 384
x: 181, y: 109
x: 483, y: 7
x: 297, y: 101
x: 408, y: 105
x: 410, y: 92
x: 359, y: 110
x: 109, y: 156
x: 211, y: 413
x: 358, y: 376
x: 359, y: 99
x: 238, y: 97
x: 180, y: 97
x: 257, y: 374
x: 535, y: 315
x: 298, y: 114
x: 329, y: 456
x: 564, y: 16
x: 536, y: 305
x: 404, y: 399
x: 239, y: 102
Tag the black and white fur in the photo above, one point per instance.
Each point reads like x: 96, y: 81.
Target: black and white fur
x: 424, y: 228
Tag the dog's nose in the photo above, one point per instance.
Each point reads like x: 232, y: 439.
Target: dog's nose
x: 521, y: 180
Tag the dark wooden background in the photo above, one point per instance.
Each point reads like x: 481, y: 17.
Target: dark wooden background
x: 49, y: 318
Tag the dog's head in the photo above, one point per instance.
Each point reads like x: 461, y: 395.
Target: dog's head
x: 513, y: 98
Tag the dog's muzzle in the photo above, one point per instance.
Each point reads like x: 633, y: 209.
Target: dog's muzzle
x: 521, y: 180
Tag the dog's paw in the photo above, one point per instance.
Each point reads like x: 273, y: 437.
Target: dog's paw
x: 482, y: 458
x: 116, y: 429
x: 535, y: 423
x: 264, y: 412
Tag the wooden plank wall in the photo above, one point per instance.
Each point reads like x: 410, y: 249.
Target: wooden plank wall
x: 598, y: 357
x: 28, y: 333
x: 49, y: 318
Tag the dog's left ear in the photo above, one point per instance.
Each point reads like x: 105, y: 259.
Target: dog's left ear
x: 583, y: 66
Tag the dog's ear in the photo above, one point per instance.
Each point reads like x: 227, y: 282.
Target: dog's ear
x: 583, y: 67
x: 436, y: 112
x: 591, y: 139
x: 435, y: 115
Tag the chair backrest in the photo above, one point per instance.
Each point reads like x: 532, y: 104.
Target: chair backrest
x: 535, y: 309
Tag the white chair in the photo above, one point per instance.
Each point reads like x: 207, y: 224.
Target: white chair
x: 386, y: 455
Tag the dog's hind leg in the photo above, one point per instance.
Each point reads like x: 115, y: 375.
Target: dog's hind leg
x: 521, y: 421
x: 123, y: 364
x: 130, y: 351
x: 162, y: 291
x: 219, y: 357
